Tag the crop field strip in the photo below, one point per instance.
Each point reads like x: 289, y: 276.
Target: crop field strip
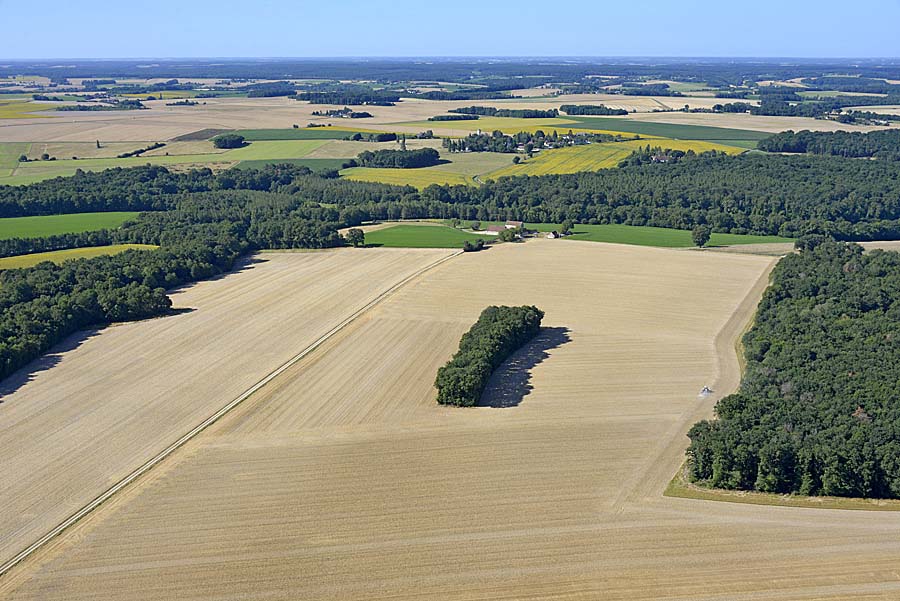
x: 50, y: 225
x: 184, y: 371
x: 592, y: 157
x: 58, y: 256
x: 328, y: 487
x: 266, y: 150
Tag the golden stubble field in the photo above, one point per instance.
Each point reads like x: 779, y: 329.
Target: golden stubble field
x: 343, y: 480
x: 69, y: 432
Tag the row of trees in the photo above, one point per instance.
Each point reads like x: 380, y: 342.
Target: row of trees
x: 490, y: 111
x: 817, y: 411
x: 590, y: 109
x: 350, y: 96
x: 453, y: 118
x: 498, y: 333
x: 497, y: 141
x: 399, y: 159
x: 879, y: 144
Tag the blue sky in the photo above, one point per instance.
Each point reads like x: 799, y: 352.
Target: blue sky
x: 275, y: 28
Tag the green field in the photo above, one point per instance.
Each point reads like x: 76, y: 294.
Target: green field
x: 9, y: 156
x: 50, y: 225
x: 58, y: 256
x: 21, y: 109
x: 666, y: 130
x: 641, y: 235
x: 606, y: 155
x: 422, y: 236
x: 302, y: 133
x: 35, y: 171
x: 429, y: 236
x: 659, y: 236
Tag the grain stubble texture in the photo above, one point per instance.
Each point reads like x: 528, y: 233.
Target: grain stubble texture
x: 123, y: 394
x: 343, y: 479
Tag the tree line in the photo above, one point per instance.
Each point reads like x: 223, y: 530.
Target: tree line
x: 490, y: 111
x: 590, y: 109
x: 399, y: 159
x: 524, y: 141
x: 453, y: 118
x: 499, y: 332
x: 883, y: 144
x: 817, y: 411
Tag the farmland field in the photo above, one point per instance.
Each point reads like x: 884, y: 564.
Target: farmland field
x: 592, y: 157
x: 418, y: 236
x: 21, y: 109
x: 266, y: 150
x: 49, y: 225
x: 301, y: 133
x: 58, y: 256
x: 456, y: 169
x: 324, y: 486
x: 116, y: 397
x: 9, y: 157
x: 665, y: 130
x: 652, y: 236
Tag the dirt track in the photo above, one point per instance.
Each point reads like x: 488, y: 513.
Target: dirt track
x: 123, y: 394
x: 343, y: 480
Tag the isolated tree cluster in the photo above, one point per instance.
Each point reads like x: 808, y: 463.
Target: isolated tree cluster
x: 499, y: 332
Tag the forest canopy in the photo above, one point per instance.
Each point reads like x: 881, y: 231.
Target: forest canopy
x: 817, y: 411
x: 499, y: 332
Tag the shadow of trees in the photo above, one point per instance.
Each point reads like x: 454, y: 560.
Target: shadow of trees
x: 26, y: 374
x: 511, y: 382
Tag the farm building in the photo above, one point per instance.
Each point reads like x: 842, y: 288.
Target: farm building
x: 494, y: 230
x: 513, y: 225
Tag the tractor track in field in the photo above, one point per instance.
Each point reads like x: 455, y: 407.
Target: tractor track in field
x: 88, y: 508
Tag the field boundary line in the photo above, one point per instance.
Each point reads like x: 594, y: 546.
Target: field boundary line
x: 161, y: 456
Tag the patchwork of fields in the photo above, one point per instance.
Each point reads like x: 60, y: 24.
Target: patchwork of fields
x: 265, y: 150
x: 324, y: 486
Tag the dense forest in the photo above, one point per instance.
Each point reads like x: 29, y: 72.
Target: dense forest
x: 883, y: 144
x: 399, y: 159
x: 498, y: 333
x: 817, y: 410
x: 489, y: 111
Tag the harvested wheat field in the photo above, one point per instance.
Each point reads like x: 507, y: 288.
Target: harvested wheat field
x: 114, y: 398
x: 342, y: 479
